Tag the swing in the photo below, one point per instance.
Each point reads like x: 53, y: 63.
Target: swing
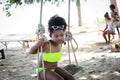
x: 68, y: 37
x: 72, y: 68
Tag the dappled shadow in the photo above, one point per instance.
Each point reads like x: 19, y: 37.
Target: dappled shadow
x: 94, y: 47
x: 18, y: 66
x: 97, y: 62
x: 102, y: 68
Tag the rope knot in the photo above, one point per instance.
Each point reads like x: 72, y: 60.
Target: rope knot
x: 40, y: 31
x: 68, y: 36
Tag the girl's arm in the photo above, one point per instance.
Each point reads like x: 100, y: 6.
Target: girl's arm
x: 37, y: 46
x: 115, y: 15
x: 105, y: 27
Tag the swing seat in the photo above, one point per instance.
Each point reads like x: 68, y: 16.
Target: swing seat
x: 72, y: 68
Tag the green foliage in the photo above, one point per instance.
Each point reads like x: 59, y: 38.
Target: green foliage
x: 56, y: 2
x: 30, y: 1
x: 101, y: 21
x: 7, y: 4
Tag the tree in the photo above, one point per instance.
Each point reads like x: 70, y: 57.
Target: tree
x: 9, y: 3
x: 79, y: 13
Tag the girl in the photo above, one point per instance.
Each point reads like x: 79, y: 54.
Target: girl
x: 51, y: 51
x: 109, y: 29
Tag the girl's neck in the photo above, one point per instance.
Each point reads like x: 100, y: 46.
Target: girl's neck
x: 54, y: 43
x: 113, y: 10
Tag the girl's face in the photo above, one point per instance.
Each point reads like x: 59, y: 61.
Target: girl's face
x: 106, y: 18
x: 58, y: 36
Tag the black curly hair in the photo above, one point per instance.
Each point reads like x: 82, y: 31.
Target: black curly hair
x: 112, y: 6
x: 106, y: 15
x: 56, y: 21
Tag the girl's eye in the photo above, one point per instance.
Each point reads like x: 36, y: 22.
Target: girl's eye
x: 56, y: 36
x: 62, y: 35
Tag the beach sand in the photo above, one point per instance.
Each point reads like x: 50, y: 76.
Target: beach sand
x: 93, y: 55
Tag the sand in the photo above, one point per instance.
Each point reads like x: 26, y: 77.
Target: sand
x: 93, y: 55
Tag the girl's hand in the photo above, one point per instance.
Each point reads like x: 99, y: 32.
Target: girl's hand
x: 101, y: 30
x: 40, y: 42
x: 37, y: 46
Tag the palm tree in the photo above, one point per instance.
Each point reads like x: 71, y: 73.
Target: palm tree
x: 79, y: 12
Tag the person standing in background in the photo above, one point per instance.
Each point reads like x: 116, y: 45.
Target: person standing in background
x: 114, y: 17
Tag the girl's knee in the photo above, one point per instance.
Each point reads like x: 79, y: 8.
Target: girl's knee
x: 51, y: 76
x: 71, y: 78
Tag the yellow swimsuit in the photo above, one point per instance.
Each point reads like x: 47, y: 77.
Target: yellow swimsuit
x: 50, y: 57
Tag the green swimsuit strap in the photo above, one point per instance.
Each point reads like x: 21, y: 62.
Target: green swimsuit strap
x: 50, y: 46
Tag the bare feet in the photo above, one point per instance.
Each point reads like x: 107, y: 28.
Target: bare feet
x: 112, y: 39
x: 107, y: 42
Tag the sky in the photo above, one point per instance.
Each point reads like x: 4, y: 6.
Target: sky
x: 25, y: 18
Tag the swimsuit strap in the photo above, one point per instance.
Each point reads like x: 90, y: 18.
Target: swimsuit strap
x: 50, y: 46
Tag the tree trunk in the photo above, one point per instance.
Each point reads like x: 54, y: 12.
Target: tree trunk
x: 79, y: 13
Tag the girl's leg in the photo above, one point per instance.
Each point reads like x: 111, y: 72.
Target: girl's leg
x: 118, y: 31
x: 110, y: 33
x: 104, y: 35
x: 50, y: 75
x: 65, y: 74
x: 108, y: 38
x: 112, y: 37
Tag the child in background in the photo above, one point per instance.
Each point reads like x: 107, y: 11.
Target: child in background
x: 109, y: 29
x: 114, y: 17
x: 52, y: 51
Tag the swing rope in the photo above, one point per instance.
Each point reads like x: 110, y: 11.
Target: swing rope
x: 40, y: 31
x: 69, y: 38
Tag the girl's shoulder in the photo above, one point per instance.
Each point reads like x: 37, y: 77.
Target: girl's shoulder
x: 46, y: 43
x: 115, y: 13
x: 42, y: 42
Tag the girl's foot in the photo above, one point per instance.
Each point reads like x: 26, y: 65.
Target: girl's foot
x: 108, y: 42
x: 119, y: 36
x: 112, y: 39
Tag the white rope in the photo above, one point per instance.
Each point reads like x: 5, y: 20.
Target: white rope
x: 69, y: 38
x: 43, y: 64
x: 39, y: 32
